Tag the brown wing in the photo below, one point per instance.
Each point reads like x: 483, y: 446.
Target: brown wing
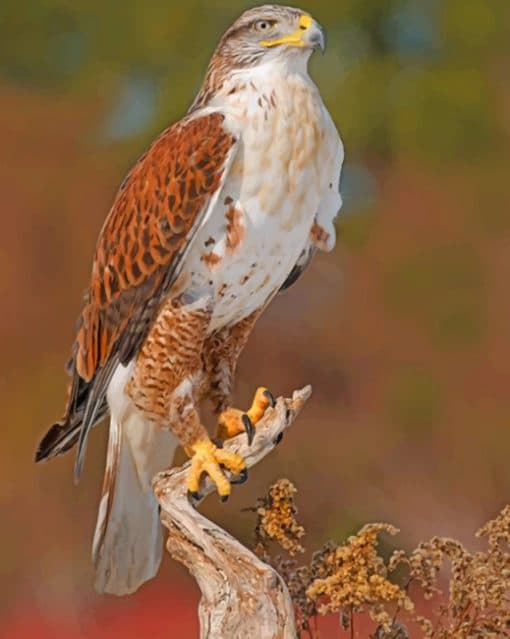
x: 140, y: 247
x: 139, y: 254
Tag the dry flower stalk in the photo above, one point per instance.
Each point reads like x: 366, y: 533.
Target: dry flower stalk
x: 352, y: 579
x: 478, y: 603
x: 355, y: 578
x: 277, y: 518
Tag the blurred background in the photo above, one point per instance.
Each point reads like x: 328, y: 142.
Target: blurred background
x: 403, y: 331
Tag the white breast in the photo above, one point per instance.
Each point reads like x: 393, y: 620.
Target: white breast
x: 267, y: 206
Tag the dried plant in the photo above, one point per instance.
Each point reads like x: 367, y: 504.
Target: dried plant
x: 277, y: 519
x: 352, y: 578
x: 478, y: 602
x: 355, y: 578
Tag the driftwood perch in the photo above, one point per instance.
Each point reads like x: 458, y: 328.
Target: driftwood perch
x: 242, y: 597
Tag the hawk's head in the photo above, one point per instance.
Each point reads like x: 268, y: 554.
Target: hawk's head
x: 269, y: 32
x: 263, y: 35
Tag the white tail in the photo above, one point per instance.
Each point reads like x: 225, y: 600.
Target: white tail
x: 128, y: 544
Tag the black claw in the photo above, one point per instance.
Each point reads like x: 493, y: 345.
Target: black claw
x: 248, y: 427
x: 270, y: 398
x: 278, y: 439
x: 241, y: 478
x: 194, y: 495
x: 218, y: 442
x: 223, y: 498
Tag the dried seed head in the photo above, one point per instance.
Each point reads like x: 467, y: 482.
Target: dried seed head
x: 277, y: 518
x: 352, y: 578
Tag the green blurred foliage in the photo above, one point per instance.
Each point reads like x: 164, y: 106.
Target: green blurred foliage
x: 401, y: 76
x: 446, y: 114
x: 474, y: 30
x: 488, y: 209
x: 443, y: 291
x: 415, y: 403
x: 355, y: 230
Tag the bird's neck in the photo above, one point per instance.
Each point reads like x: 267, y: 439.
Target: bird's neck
x: 222, y: 80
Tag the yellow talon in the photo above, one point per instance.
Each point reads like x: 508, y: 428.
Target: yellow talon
x: 233, y: 421
x: 230, y: 423
x: 208, y: 458
x: 261, y: 401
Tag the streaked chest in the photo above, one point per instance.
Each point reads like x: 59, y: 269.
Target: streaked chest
x: 277, y: 171
x: 264, y: 214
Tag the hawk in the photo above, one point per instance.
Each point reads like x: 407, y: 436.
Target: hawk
x: 224, y: 210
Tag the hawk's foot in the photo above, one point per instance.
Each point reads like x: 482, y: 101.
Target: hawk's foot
x: 208, y: 458
x: 233, y: 421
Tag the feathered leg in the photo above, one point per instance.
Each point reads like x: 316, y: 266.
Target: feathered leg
x: 222, y: 351
x: 168, y: 382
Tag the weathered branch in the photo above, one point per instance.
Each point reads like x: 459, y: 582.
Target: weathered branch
x: 241, y: 596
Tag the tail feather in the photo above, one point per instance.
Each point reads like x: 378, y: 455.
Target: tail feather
x: 127, y: 547
x: 60, y: 437
x: 128, y: 543
x: 64, y: 434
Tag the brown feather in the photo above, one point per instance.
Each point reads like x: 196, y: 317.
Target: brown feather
x: 138, y: 256
x: 147, y: 228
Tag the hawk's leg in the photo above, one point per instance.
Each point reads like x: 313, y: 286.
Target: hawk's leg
x: 168, y: 381
x: 233, y: 421
x: 206, y: 457
x: 222, y: 351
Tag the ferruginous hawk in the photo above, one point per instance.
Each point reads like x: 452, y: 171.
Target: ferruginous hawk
x: 224, y: 210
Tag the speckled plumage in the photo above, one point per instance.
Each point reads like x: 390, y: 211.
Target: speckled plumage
x: 145, y: 237
x: 226, y: 208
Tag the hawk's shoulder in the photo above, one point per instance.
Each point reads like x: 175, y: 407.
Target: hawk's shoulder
x: 156, y: 212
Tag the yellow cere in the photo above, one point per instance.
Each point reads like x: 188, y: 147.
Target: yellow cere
x: 295, y: 39
x: 305, y: 22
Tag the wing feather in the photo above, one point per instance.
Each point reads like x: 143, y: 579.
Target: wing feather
x: 301, y: 265
x: 140, y: 251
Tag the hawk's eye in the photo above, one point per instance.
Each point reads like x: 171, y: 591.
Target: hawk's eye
x: 264, y: 26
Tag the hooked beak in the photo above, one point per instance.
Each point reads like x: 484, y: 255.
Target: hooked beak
x: 309, y: 34
x: 314, y: 36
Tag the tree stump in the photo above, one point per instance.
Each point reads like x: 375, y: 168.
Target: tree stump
x: 242, y: 597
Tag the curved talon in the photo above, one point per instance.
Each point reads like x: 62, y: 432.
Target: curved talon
x: 262, y: 400
x: 206, y: 458
x: 242, y: 477
x: 233, y: 421
x: 196, y: 496
x: 270, y: 397
x: 248, y: 427
x: 223, y: 498
x: 278, y: 439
